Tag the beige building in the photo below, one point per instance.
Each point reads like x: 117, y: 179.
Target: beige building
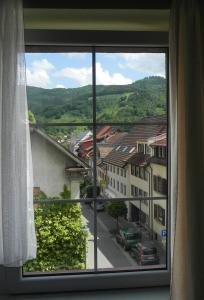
x: 54, y: 166
x: 136, y: 167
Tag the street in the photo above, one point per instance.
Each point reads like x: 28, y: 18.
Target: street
x: 110, y: 253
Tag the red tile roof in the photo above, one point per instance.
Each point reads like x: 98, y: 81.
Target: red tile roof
x: 140, y: 159
x: 162, y: 142
x: 104, y: 132
x: 143, y: 131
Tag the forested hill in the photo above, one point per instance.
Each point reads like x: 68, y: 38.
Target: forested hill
x: 143, y: 98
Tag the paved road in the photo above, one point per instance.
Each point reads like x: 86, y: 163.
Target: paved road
x: 110, y: 254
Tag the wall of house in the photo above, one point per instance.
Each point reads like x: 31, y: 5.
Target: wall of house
x: 159, y: 170
x: 121, y: 179
x: 143, y: 185
x: 49, y: 166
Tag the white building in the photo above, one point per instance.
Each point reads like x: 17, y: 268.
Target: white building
x: 54, y: 166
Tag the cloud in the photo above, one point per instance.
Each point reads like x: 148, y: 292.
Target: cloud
x: 60, y: 86
x: 104, y: 77
x: 146, y: 63
x: 39, y: 73
x: 83, y: 76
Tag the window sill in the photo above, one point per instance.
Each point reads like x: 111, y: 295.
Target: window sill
x: 160, y: 293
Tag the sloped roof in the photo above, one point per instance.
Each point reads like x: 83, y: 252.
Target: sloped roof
x: 143, y: 131
x: 58, y: 146
x: 116, y: 137
x: 140, y: 159
x: 162, y: 142
x: 101, y: 132
x: 104, y: 150
x: 118, y: 158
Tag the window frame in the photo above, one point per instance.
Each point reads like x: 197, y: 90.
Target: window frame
x: 16, y: 283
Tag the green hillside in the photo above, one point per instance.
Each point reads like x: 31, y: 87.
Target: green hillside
x: 143, y: 98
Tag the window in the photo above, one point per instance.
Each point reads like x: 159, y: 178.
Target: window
x: 121, y: 172
x: 132, y: 190
x: 160, y: 152
x: 101, y: 101
x: 132, y: 169
x: 160, y: 185
x: 121, y: 188
x: 124, y: 189
x: 113, y: 169
x: 117, y: 185
x: 146, y: 174
x: 159, y: 214
x: 141, y: 148
x: 141, y: 173
x: 137, y: 171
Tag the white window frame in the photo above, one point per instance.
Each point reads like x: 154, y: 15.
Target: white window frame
x: 14, y: 281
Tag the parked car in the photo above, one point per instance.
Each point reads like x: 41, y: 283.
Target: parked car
x: 145, y: 253
x: 128, y: 237
x: 99, y: 205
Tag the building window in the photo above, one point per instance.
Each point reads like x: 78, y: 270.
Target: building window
x: 124, y: 189
x: 121, y: 172
x: 159, y: 214
x: 160, y: 185
x: 113, y: 169
x: 114, y: 183
x: 121, y: 188
x: 132, y: 190
x: 118, y: 186
x: 118, y: 171
x: 141, y: 148
x: 145, y: 174
x: 141, y: 173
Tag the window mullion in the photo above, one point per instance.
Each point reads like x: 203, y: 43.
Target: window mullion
x: 94, y: 156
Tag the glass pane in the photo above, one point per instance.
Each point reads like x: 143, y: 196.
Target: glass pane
x: 130, y: 86
x: 129, y: 238
x: 59, y: 87
x: 63, y: 239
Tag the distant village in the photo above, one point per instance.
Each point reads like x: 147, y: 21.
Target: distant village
x: 129, y: 164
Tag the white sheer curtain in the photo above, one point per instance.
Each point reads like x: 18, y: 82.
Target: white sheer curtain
x: 17, y: 232
x: 187, y: 128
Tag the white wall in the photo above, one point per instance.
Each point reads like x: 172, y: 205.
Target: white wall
x: 120, y: 179
x: 49, y: 166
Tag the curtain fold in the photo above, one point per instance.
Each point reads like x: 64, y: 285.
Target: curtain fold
x: 17, y: 232
x: 187, y: 128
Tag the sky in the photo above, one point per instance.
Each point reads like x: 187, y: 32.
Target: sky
x: 70, y: 70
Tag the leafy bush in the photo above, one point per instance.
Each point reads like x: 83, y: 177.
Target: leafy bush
x: 61, y: 237
x: 116, y: 209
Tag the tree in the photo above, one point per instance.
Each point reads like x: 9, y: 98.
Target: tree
x: 61, y: 237
x: 66, y: 194
x: 31, y: 117
x: 116, y: 209
x: 89, y: 191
